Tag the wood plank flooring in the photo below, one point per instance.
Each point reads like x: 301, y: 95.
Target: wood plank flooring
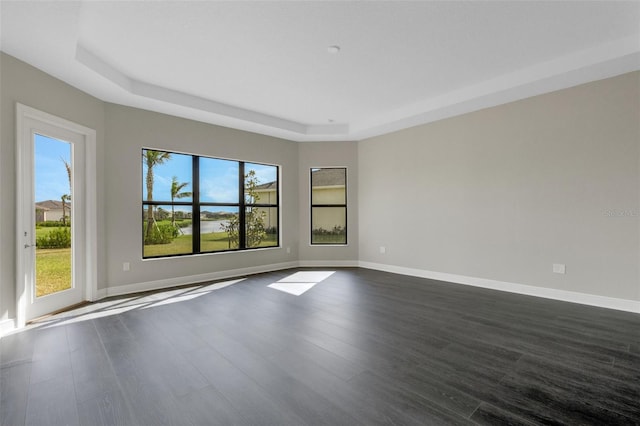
x: 360, y: 348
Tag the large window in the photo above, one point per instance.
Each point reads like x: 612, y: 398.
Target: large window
x: 329, y: 206
x: 193, y: 204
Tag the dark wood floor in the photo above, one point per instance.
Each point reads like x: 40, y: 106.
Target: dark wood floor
x: 362, y: 347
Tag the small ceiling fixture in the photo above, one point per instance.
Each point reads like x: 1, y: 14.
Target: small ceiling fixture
x: 333, y: 49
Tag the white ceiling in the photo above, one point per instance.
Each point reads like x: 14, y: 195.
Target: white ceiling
x: 264, y: 66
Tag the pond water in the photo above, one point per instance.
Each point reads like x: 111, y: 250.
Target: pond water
x: 206, y: 226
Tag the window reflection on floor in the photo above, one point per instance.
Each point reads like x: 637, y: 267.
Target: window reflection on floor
x: 120, y: 304
x: 300, y: 282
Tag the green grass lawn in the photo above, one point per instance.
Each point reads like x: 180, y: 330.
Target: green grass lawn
x: 180, y: 245
x: 270, y: 241
x: 329, y: 239
x: 53, y: 270
x: 214, y: 241
x: 53, y: 267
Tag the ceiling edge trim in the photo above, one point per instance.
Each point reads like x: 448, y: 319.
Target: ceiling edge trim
x: 163, y: 94
x: 604, y: 61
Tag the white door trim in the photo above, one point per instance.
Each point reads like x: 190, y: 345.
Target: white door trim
x: 26, y: 115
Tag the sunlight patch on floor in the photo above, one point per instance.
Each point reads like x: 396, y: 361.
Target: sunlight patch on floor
x: 57, y: 322
x: 217, y: 286
x: 107, y: 308
x: 300, y: 282
x: 174, y: 299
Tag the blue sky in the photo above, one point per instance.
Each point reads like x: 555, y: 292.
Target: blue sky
x: 219, y: 178
x: 51, y: 180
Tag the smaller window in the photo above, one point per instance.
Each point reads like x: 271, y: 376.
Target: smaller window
x: 329, y: 206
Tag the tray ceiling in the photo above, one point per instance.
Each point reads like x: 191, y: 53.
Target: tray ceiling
x: 266, y: 67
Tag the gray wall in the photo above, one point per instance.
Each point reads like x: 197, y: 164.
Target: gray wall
x: 328, y: 154
x: 505, y: 192
x: 128, y: 131
x: 27, y: 85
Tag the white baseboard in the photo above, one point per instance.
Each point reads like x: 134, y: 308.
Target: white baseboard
x: 101, y: 293
x: 328, y: 263
x: 529, y: 290
x: 7, y: 326
x: 191, y: 279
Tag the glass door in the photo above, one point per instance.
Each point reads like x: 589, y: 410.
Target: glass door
x: 56, y: 229
x: 53, y: 259
x: 53, y: 228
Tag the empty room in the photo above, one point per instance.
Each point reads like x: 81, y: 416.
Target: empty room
x: 319, y: 213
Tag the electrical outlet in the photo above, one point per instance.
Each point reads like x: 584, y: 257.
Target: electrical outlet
x: 288, y: 250
x: 126, y: 266
x: 559, y: 268
x: 383, y: 249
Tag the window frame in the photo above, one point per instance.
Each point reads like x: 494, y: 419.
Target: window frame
x: 197, y: 206
x: 329, y: 205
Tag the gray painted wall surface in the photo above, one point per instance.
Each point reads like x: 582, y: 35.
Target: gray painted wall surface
x: 505, y: 192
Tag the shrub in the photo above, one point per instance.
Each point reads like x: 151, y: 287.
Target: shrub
x: 272, y: 230
x: 57, y: 238
x: 337, y: 230
x: 162, y: 233
x: 53, y: 224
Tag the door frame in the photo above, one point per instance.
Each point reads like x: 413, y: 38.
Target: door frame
x: 25, y: 118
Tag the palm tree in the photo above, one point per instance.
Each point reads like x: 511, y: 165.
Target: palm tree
x: 152, y: 158
x: 66, y: 197
x: 176, y: 187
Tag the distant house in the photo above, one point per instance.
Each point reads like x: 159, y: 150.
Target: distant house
x: 328, y: 188
x: 268, y: 195
x: 51, y: 210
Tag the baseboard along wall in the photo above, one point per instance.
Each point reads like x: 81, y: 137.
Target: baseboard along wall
x: 529, y: 290
x: 633, y: 306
